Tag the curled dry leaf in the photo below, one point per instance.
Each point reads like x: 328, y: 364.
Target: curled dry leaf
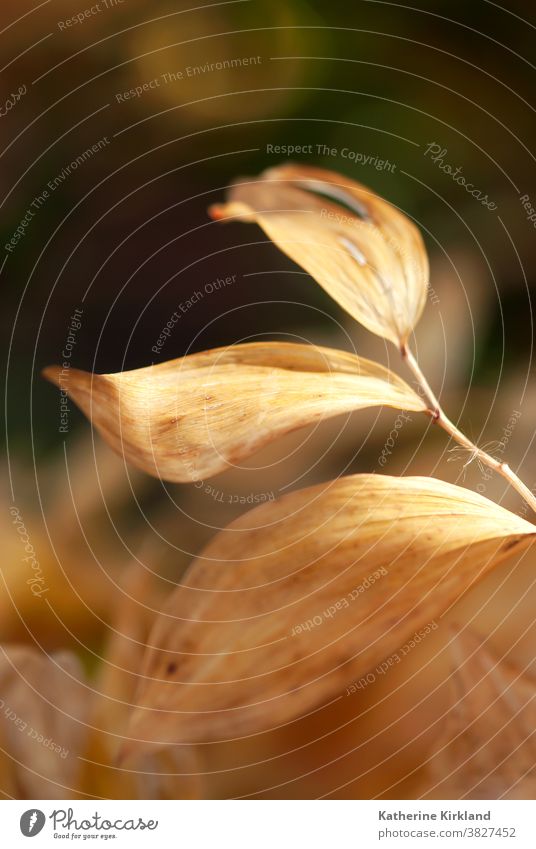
x: 9, y: 787
x: 173, y: 774
x: 43, y: 707
x: 188, y: 419
x: 300, y: 596
x: 137, y: 603
x: 59, y: 734
x: 365, y: 253
x: 488, y: 749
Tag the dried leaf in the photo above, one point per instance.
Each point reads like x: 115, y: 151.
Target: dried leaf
x: 300, y: 596
x: 173, y: 774
x: 188, y: 419
x: 488, y: 749
x: 365, y: 253
x: 42, y: 719
x: 9, y: 788
x: 58, y: 736
x: 118, y: 674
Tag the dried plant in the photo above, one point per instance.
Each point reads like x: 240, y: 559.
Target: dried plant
x: 487, y: 749
x: 191, y: 418
x: 287, y: 563
x: 49, y: 705
x: 271, y: 619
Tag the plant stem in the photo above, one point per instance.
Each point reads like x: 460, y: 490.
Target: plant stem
x: 439, y: 417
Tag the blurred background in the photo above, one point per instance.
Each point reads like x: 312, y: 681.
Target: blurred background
x: 118, y: 128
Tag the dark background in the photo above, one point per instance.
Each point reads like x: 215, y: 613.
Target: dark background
x: 384, y: 79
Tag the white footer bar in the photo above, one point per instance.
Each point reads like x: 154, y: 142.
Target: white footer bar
x: 268, y: 824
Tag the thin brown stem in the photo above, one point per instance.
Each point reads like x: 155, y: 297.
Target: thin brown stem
x: 439, y: 417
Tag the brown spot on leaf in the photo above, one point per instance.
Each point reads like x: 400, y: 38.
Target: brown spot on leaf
x: 510, y: 543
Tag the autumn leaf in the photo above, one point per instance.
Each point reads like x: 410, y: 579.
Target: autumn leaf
x: 188, y: 419
x: 298, y: 597
x: 362, y: 250
x: 43, y: 708
x: 9, y: 787
x: 173, y: 774
x: 59, y: 733
x: 487, y: 750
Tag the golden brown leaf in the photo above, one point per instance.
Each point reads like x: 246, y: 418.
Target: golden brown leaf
x: 488, y: 749
x: 362, y: 250
x: 9, y: 788
x: 42, y: 719
x: 59, y: 736
x: 159, y: 775
x: 188, y: 419
x: 118, y: 673
x: 300, y: 596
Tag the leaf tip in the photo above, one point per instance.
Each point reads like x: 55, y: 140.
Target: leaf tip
x: 216, y: 211
x: 52, y: 374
